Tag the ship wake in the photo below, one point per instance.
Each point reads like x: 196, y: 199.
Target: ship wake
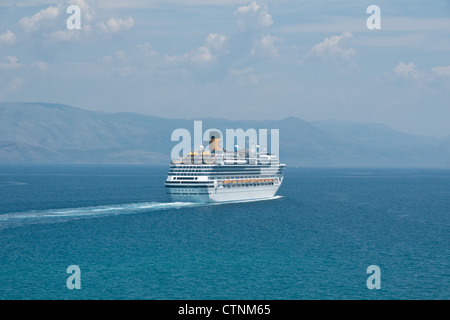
x: 57, y: 215
x: 60, y: 215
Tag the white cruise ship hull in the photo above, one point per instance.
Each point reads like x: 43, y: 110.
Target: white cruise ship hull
x: 223, y: 194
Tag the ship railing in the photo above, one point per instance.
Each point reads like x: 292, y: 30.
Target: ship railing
x: 239, y: 157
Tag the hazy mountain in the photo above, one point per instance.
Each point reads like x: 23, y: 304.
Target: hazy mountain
x: 378, y: 145
x: 54, y: 133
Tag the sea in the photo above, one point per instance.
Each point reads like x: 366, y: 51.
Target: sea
x: 329, y: 234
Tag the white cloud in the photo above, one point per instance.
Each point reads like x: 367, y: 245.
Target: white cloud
x: 87, y: 11
x: 90, y: 25
x: 267, y: 45
x: 404, y: 70
x: 441, y: 71
x: 114, y: 25
x: 432, y: 79
x: 334, y: 46
x: 144, y: 58
x: 215, y: 41
x: 252, y: 19
x: 207, y: 53
x: 42, y: 66
x: 7, y: 38
x: 147, y: 52
x: 11, y: 63
x: 253, y: 15
x: 32, y: 23
x: 202, y: 55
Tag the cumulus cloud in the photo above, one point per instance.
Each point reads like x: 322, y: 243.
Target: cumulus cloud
x: 7, y: 38
x: 334, y: 46
x: 434, y: 78
x: 201, y: 55
x: 253, y: 16
x: 114, y: 25
x: 215, y: 41
x: 150, y: 60
x: 207, y: 53
x: 88, y: 11
x: 266, y: 44
x: 253, y: 19
x: 32, y: 23
x: 406, y: 70
x: 90, y: 25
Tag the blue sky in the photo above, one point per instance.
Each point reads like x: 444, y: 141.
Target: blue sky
x: 316, y: 60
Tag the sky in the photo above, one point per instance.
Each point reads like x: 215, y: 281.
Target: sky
x: 316, y: 60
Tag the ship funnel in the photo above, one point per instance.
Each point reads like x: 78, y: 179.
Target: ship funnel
x: 214, y: 140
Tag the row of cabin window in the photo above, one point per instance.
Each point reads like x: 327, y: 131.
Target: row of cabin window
x: 248, y: 185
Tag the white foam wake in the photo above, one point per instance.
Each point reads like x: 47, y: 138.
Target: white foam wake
x: 92, y: 211
x: 42, y: 216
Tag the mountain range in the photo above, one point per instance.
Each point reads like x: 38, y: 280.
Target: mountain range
x: 36, y: 132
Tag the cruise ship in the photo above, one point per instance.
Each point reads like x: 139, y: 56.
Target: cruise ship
x: 216, y: 175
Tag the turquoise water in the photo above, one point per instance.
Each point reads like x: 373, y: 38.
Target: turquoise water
x: 314, y: 242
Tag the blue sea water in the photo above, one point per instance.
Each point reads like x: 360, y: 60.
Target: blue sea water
x: 316, y: 241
